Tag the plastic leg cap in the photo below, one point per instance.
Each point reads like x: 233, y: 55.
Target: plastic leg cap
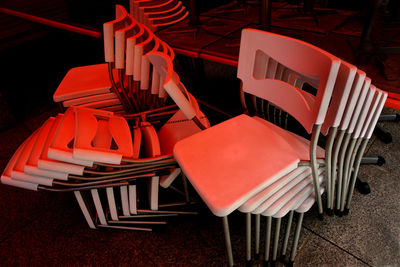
x: 338, y: 213
x: 346, y: 212
x: 329, y: 212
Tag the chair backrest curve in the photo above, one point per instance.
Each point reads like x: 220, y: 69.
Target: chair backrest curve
x: 257, y: 47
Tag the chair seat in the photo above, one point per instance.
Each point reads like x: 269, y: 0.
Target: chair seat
x: 299, y: 144
x: 83, y: 81
x: 230, y: 162
x: 89, y: 99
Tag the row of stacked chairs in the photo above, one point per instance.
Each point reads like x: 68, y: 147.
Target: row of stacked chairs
x: 250, y: 164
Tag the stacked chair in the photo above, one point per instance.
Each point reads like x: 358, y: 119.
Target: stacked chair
x: 93, y: 86
x: 252, y: 165
x: 112, y: 85
x: 113, y: 163
x: 156, y: 14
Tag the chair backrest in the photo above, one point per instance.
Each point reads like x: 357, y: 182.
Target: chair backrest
x: 150, y: 141
x: 146, y: 41
x: 135, y: 4
x: 18, y: 172
x: 109, y: 29
x: 341, y: 92
x: 176, y: 90
x: 171, y: 16
x: 6, y: 175
x: 120, y: 41
x: 158, y: 9
x: 360, y: 103
x: 145, y: 64
x: 175, y: 15
x: 156, y: 83
x: 101, y: 137
x: 256, y: 50
x: 353, y: 98
x: 137, y: 136
x: 367, y: 105
x: 157, y: 13
x: 61, y: 138
x: 131, y: 41
x: 31, y: 166
x: 375, y: 117
x: 378, y: 94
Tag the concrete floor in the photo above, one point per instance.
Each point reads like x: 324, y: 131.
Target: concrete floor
x: 41, y: 228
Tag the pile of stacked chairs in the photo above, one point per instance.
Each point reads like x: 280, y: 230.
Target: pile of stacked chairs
x: 125, y: 82
x: 114, y: 153
x: 253, y: 164
x: 118, y: 138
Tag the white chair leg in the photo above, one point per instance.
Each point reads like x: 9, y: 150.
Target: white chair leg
x: 355, y: 173
x: 248, y: 237
x: 267, y: 240
x: 85, y: 210
x: 111, y: 203
x: 296, y: 238
x: 99, y: 207
x: 257, y: 236
x: 328, y: 160
x: 286, y: 239
x: 340, y: 173
x: 185, y: 188
x: 227, y: 240
x: 276, y: 239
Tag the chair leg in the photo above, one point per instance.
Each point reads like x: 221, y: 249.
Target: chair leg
x: 248, y: 238
x: 351, y: 147
x: 335, y: 154
x: 267, y: 240
x: 276, y: 239
x: 288, y: 227
x: 296, y: 238
x: 227, y: 240
x: 340, y: 173
x: 185, y: 187
x: 355, y: 173
x: 328, y: 160
x: 257, y: 238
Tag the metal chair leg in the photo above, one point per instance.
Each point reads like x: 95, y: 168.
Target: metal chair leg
x: 227, y: 240
x: 267, y: 240
x: 257, y: 237
x: 296, y: 238
x: 286, y: 240
x: 248, y: 238
x: 276, y: 239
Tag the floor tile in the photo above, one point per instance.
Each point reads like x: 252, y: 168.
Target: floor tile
x: 319, y: 252
x: 61, y: 237
x: 371, y: 231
